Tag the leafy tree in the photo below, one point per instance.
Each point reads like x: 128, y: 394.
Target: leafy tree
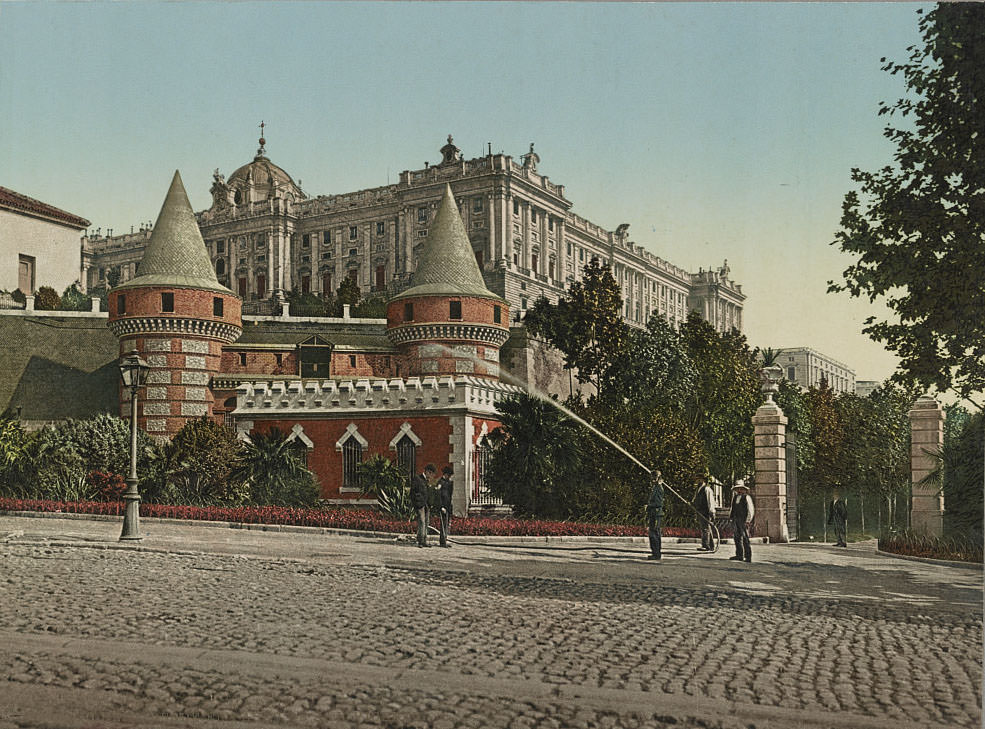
x: 917, y: 226
x: 536, y: 458
x: 47, y: 299
x: 655, y: 369
x: 828, y: 435
x: 725, y: 396
x: 963, y: 468
x: 794, y: 405
x: 616, y: 488
x: 347, y: 293
x: 73, y: 299
x: 113, y: 276
x: 586, y: 325
x: 275, y: 471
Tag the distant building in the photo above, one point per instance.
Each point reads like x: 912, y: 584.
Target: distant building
x: 864, y: 388
x: 266, y: 237
x: 807, y: 367
x: 39, y: 244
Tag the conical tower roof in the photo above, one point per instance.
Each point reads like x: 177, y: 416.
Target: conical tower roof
x: 447, y: 266
x: 176, y: 255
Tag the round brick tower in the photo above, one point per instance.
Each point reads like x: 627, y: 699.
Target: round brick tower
x: 177, y: 316
x: 448, y: 322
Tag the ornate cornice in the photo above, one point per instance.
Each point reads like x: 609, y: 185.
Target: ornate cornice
x: 496, y: 336
x: 175, y: 325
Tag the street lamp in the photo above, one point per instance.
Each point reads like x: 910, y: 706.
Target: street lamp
x: 770, y: 377
x: 134, y: 373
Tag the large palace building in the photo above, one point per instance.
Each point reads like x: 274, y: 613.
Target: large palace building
x: 266, y: 237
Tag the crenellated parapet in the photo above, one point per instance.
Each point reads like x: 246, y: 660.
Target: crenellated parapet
x: 323, y: 398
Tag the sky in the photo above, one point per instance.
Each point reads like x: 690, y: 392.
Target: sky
x: 716, y: 130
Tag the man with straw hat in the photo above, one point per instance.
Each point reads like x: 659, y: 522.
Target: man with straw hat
x: 741, y: 515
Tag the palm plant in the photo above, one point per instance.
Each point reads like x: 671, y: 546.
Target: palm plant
x: 275, y: 471
x: 383, y: 480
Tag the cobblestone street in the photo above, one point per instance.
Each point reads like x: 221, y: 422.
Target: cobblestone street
x: 209, y: 626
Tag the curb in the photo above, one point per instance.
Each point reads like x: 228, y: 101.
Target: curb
x: 977, y: 566
x: 359, y: 533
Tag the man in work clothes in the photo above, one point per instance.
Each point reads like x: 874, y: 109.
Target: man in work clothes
x: 838, y: 516
x: 654, y: 512
x: 741, y: 514
x: 704, y: 504
x: 445, y: 490
x: 420, y: 487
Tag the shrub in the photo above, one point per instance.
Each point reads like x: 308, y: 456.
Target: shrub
x: 108, y: 486
x: 73, y: 299
x: 47, y: 299
x: 194, y: 468
x: 956, y: 549
x: 56, y: 461
x: 274, y: 471
x: 308, y: 305
x: 18, y: 296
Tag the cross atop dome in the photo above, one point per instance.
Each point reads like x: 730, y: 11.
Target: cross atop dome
x: 261, y: 152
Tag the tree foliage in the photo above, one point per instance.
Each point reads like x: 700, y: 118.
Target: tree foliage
x: 196, y: 466
x: 724, y: 398
x: 347, y: 293
x: 585, y: 325
x: 917, y: 227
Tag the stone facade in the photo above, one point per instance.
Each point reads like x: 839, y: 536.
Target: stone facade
x: 805, y: 367
x: 265, y: 236
x: 926, y: 440
x: 39, y: 244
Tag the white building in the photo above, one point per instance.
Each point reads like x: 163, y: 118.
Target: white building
x: 807, y: 367
x: 39, y: 244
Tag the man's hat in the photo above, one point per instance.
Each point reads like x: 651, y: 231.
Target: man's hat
x: 740, y: 484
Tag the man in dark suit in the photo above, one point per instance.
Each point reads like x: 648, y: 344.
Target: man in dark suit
x: 420, y: 487
x: 654, y: 513
x: 838, y: 517
x: 704, y: 504
x: 445, y: 490
x: 741, y: 515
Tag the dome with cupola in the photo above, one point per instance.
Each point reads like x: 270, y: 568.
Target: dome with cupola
x: 256, y: 182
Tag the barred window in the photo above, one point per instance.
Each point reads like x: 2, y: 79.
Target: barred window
x: 352, y: 456
x: 407, y: 456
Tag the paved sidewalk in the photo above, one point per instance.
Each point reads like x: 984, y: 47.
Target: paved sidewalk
x: 204, y: 626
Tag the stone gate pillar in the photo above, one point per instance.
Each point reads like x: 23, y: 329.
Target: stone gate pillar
x: 770, y: 492
x: 926, y: 439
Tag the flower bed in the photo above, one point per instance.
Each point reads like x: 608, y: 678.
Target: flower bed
x: 358, y: 519
x: 917, y: 545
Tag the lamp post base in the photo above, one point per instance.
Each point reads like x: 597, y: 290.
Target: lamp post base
x: 131, y: 513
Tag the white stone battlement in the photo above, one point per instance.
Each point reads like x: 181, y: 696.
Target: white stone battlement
x: 377, y: 395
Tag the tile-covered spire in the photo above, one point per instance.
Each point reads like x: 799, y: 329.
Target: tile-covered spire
x: 447, y: 265
x: 176, y: 255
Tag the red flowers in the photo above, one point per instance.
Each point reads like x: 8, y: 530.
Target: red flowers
x: 342, y: 518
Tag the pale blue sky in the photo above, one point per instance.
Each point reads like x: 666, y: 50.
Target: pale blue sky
x: 715, y: 130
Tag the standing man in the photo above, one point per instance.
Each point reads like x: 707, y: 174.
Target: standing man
x: 704, y: 504
x: 741, y: 515
x: 420, y: 487
x: 838, y: 515
x: 445, y: 490
x: 654, y: 512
